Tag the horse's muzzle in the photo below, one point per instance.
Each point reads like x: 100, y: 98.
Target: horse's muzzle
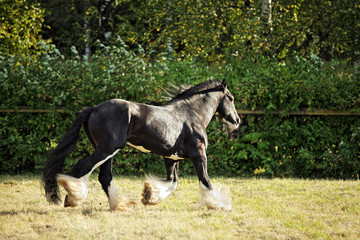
x: 232, y: 122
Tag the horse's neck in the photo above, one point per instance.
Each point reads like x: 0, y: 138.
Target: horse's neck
x: 205, y: 109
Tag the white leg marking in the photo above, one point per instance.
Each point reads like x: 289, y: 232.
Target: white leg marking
x: 156, y: 190
x: 77, y: 187
x: 102, y: 161
x: 117, y: 201
x: 218, y: 198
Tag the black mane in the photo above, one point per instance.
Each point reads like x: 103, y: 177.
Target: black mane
x: 200, y: 88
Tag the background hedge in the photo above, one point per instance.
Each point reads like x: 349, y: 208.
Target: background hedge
x: 268, y: 145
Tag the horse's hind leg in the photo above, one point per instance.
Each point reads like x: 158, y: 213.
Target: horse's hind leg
x: 156, y: 190
x: 75, y: 183
x: 116, y: 201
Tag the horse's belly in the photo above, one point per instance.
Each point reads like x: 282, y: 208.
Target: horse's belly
x: 159, y: 134
x: 174, y: 156
x: 140, y: 148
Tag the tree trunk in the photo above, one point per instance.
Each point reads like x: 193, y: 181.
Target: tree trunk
x: 266, y: 12
x: 105, y: 9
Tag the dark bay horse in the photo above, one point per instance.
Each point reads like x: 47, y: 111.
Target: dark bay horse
x: 176, y: 131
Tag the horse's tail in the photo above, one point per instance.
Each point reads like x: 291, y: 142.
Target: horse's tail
x: 55, y: 161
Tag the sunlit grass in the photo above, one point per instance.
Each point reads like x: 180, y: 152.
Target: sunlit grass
x: 262, y: 209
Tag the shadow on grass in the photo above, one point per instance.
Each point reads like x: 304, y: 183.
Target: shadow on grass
x: 13, y: 213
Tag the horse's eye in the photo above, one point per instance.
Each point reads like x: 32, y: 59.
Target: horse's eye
x: 230, y: 98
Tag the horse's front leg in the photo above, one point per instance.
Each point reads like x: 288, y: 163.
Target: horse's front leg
x: 218, y: 198
x: 155, y: 190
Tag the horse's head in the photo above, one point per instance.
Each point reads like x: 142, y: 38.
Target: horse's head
x: 226, y: 108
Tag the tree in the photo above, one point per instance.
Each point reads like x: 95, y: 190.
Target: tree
x: 266, y: 11
x: 210, y: 29
x: 329, y: 29
x: 197, y: 28
x: 21, y: 27
x: 79, y: 23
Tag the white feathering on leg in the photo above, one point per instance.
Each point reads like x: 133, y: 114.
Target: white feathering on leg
x: 218, y: 198
x: 160, y: 190
x: 76, y: 187
x: 117, y: 201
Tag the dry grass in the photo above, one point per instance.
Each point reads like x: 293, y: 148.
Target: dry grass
x: 262, y: 209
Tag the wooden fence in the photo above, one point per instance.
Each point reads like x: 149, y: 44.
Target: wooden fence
x: 301, y: 112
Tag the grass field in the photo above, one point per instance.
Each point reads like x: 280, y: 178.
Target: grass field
x: 262, y: 209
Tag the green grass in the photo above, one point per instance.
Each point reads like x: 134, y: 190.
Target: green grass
x: 262, y: 209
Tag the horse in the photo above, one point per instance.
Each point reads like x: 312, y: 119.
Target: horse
x: 176, y: 131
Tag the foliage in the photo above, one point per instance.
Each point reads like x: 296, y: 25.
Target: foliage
x: 268, y: 145
x: 284, y: 145
x: 53, y: 81
x: 69, y: 23
x: 20, y: 25
x: 210, y: 29
x: 324, y: 28
x: 274, y: 65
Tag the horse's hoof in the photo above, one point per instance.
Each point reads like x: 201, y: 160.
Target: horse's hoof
x: 125, y: 206
x: 68, y: 202
x: 147, y: 195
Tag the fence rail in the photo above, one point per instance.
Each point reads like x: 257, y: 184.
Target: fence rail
x: 301, y: 112
x: 31, y: 110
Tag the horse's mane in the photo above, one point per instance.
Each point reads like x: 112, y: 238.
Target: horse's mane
x: 183, y: 92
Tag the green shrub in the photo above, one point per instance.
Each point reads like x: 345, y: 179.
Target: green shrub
x: 284, y: 145
x: 267, y: 145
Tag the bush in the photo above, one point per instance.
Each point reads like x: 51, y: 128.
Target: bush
x: 267, y: 145
x: 52, y: 82
x: 284, y: 145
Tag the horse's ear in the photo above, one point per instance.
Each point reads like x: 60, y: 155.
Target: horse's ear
x: 224, y: 84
